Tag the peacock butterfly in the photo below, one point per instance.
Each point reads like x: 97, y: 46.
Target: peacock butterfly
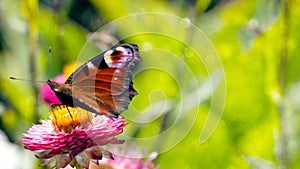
x: 102, y: 85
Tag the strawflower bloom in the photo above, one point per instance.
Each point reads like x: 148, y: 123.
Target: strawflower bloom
x: 73, y: 136
x: 127, y: 157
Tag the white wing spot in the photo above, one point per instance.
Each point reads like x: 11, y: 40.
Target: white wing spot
x: 91, y: 65
x: 107, y: 58
x: 120, y: 49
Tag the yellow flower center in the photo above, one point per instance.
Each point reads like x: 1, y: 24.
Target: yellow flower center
x: 68, y: 118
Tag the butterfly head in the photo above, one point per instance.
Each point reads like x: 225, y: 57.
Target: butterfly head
x: 53, y: 85
x: 61, y: 88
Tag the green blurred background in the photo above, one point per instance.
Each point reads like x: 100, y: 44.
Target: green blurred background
x: 257, y: 42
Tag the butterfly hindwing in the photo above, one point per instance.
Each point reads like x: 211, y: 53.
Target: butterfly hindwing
x: 102, y: 85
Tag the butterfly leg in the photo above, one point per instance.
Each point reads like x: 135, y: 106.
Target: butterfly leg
x: 73, y: 124
x: 54, y: 115
x: 61, y: 119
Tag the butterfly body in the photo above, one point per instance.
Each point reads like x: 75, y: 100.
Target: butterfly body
x: 103, y: 85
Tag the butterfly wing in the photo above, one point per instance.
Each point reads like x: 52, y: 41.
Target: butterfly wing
x: 104, y: 85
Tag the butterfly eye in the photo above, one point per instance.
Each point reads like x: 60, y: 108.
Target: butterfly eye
x: 124, y: 51
x: 119, y: 57
x: 128, y: 51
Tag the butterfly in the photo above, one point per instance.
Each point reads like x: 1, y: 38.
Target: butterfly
x: 102, y: 85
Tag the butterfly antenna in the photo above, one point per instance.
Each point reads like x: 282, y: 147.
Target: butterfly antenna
x: 26, y: 80
x: 51, y: 68
x: 51, y: 63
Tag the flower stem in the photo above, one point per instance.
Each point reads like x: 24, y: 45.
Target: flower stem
x: 30, y: 11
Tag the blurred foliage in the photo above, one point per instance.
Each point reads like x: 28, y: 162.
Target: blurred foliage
x: 257, y: 42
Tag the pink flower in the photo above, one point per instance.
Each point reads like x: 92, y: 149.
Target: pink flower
x: 48, y: 95
x: 54, y: 141
x: 127, y: 157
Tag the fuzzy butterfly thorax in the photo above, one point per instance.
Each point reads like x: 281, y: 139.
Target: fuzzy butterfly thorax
x: 103, y: 85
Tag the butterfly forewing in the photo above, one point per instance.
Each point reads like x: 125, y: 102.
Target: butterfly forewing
x: 113, y: 81
x: 107, y: 90
x: 102, y: 85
